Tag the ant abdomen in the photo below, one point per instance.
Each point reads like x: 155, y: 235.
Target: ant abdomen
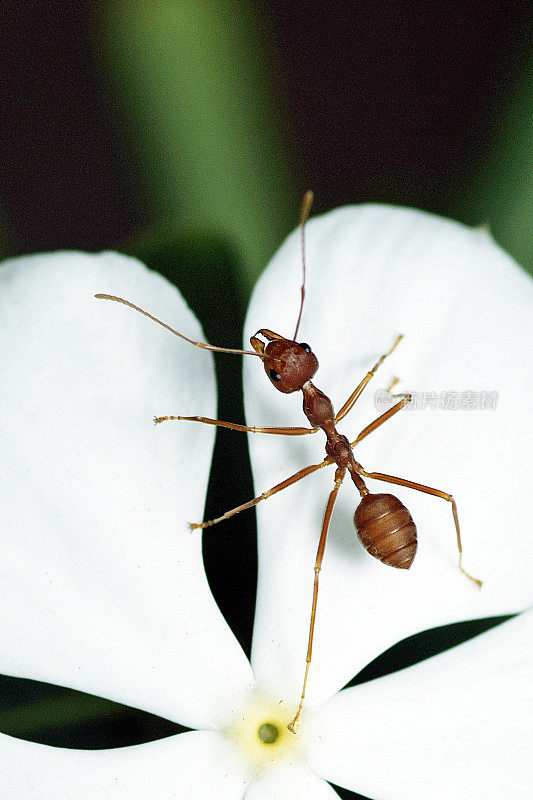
x: 386, y: 529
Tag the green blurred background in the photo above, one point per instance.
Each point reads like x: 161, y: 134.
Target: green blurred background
x: 185, y: 132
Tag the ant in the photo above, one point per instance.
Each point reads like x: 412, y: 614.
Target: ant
x: 383, y: 524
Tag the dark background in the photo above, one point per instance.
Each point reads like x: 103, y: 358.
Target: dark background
x: 391, y: 102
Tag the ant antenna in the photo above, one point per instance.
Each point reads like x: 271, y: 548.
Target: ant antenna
x: 307, y: 202
x: 181, y: 335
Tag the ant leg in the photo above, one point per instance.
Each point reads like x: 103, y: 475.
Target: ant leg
x: 391, y: 386
x: 419, y: 487
x: 355, y: 395
x: 339, y: 477
x: 234, y: 427
x: 411, y: 484
x: 302, y: 473
x: 406, y: 398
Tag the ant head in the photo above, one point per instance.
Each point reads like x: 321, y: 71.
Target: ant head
x: 288, y: 364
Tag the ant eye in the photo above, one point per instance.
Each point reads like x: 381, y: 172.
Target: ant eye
x: 305, y: 346
x: 274, y: 376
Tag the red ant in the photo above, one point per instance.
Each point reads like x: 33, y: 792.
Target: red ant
x: 383, y: 523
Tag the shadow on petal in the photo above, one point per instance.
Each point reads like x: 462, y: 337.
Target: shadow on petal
x: 423, y: 645
x: 60, y: 717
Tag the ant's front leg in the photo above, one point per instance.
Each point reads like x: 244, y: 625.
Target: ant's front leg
x: 357, y: 392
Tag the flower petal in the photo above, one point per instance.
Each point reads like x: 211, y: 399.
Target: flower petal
x: 295, y: 781
x: 199, y: 764
x: 456, y: 725
x: 102, y: 578
x: 374, y: 272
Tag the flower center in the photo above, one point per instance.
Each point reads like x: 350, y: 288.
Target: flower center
x: 268, y: 733
x: 261, y: 733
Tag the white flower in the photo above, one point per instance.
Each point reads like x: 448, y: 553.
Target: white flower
x: 102, y: 586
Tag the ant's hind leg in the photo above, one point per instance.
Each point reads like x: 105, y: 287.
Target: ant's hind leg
x: 339, y: 477
x: 419, y: 487
x: 246, y: 428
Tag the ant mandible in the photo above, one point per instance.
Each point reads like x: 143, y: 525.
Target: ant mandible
x: 383, y: 524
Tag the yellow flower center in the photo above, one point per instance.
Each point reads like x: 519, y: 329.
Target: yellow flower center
x: 262, y: 735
